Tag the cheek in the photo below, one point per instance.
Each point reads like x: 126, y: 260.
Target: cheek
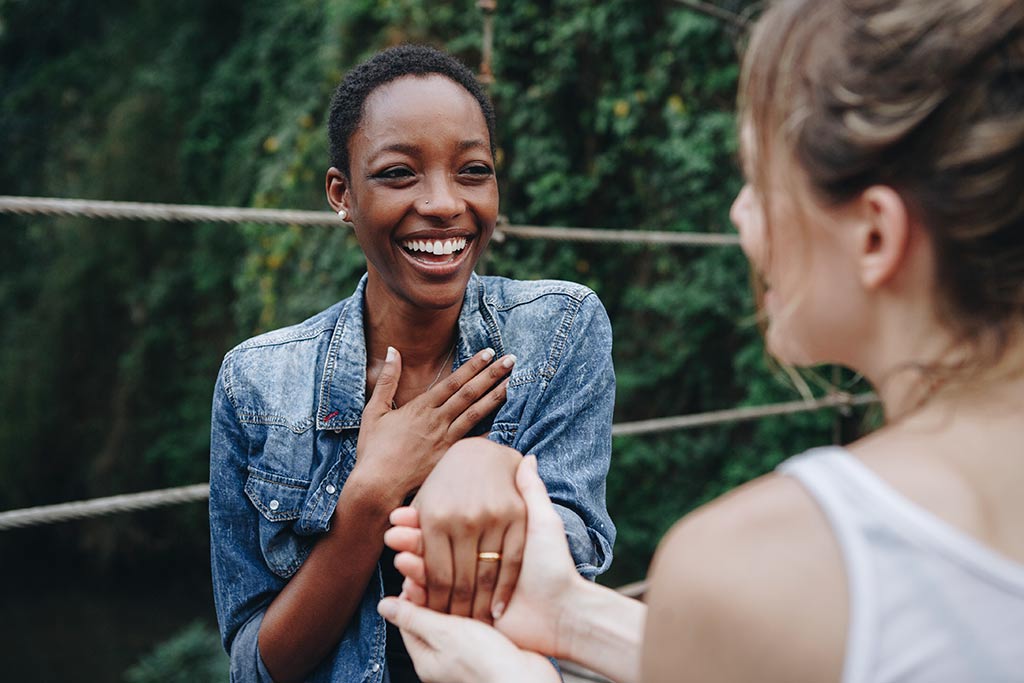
x: 485, y: 203
x: 819, y: 316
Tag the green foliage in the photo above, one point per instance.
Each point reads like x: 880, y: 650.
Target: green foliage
x: 194, y: 655
x: 616, y: 114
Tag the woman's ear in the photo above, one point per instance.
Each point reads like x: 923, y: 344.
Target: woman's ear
x: 337, y: 190
x: 883, y: 235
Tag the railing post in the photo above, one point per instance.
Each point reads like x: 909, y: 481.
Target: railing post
x: 488, y: 7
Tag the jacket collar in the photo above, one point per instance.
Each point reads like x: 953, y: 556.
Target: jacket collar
x: 343, y: 386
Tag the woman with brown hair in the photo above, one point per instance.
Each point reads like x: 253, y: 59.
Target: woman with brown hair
x: 883, y: 145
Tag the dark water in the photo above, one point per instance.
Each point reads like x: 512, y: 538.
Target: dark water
x: 61, y: 626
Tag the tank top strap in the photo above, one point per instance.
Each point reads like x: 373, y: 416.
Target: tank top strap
x: 825, y: 474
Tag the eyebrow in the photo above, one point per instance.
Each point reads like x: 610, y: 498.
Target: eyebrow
x: 472, y: 144
x: 413, y: 150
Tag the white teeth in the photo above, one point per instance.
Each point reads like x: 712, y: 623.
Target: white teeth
x: 437, y: 247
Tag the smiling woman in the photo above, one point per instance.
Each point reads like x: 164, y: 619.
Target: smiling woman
x: 422, y: 182
x: 322, y: 428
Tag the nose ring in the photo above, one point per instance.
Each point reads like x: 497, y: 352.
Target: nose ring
x: 426, y: 203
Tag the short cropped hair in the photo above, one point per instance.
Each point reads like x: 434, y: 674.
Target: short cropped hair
x: 346, y: 111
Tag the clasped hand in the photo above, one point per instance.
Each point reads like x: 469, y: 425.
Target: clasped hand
x: 450, y: 648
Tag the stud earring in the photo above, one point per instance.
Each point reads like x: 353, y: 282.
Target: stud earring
x: 343, y: 214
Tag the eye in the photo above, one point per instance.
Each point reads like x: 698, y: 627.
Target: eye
x: 393, y: 173
x: 478, y: 170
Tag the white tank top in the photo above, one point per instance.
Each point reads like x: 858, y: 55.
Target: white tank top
x: 927, y: 601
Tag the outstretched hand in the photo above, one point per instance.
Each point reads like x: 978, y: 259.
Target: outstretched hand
x: 450, y: 649
x: 399, y: 447
x: 547, y: 583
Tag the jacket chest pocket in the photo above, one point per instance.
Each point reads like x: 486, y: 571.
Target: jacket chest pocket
x: 279, y: 501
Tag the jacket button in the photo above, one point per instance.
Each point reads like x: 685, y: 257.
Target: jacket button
x: 330, y: 488
x: 274, y: 505
x: 375, y: 668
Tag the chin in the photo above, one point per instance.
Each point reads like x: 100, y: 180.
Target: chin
x: 439, y: 296
x: 787, y: 351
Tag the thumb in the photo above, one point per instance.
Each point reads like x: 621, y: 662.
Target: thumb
x: 419, y: 621
x: 387, y: 383
x: 533, y: 491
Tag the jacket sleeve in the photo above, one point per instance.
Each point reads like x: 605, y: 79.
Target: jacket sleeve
x: 567, y: 424
x: 243, y: 586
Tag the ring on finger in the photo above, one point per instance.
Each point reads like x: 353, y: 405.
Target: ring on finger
x: 488, y: 556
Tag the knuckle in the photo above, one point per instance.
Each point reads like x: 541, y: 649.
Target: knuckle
x: 517, y: 509
x: 468, y: 393
x: 473, y: 414
x: 492, y: 513
x: 486, y: 579
x: 462, y: 592
x: 467, y: 522
x: 439, y: 583
x: 512, y: 564
x: 452, y: 384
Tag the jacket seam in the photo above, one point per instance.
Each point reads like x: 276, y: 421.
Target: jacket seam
x: 577, y: 294
x: 261, y: 342
x: 561, y: 336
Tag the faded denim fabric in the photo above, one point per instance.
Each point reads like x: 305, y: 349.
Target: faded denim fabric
x: 286, y: 415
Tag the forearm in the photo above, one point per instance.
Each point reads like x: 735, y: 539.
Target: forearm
x: 310, y: 615
x: 603, y: 630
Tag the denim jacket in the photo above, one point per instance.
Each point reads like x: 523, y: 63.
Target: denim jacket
x: 286, y: 415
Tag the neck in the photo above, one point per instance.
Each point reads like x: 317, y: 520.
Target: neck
x: 945, y: 374
x: 422, y: 336
x: 902, y: 352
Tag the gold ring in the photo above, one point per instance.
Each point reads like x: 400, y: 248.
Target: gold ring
x: 489, y: 557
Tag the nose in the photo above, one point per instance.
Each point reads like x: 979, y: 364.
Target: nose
x: 740, y: 206
x: 745, y: 214
x: 441, y: 200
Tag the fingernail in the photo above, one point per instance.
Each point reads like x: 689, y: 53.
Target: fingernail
x: 488, y: 354
x: 387, y: 608
x: 508, y: 361
x: 497, y: 610
x: 391, y: 355
x: 401, y: 596
x: 531, y: 460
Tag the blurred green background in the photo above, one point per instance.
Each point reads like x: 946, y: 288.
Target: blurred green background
x: 614, y: 114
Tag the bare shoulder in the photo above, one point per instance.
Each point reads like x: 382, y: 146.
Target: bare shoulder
x: 748, y: 587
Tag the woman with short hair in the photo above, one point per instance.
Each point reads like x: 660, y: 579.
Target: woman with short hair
x: 322, y: 428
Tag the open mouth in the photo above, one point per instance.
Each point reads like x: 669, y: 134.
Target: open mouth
x: 435, y: 251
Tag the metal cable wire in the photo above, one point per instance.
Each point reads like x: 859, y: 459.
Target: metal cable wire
x: 661, y: 424
x: 94, y: 208
x: 96, y: 507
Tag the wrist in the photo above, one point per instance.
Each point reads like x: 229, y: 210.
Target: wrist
x: 371, y: 493
x: 571, y: 617
x: 602, y: 631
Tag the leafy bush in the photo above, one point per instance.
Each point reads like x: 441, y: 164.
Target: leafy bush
x: 194, y: 655
x: 616, y: 114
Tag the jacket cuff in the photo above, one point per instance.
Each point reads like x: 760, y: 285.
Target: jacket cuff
x: 590, y: 550
x: 246, y: 662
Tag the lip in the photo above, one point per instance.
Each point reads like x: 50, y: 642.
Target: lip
x: 435, y: 269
